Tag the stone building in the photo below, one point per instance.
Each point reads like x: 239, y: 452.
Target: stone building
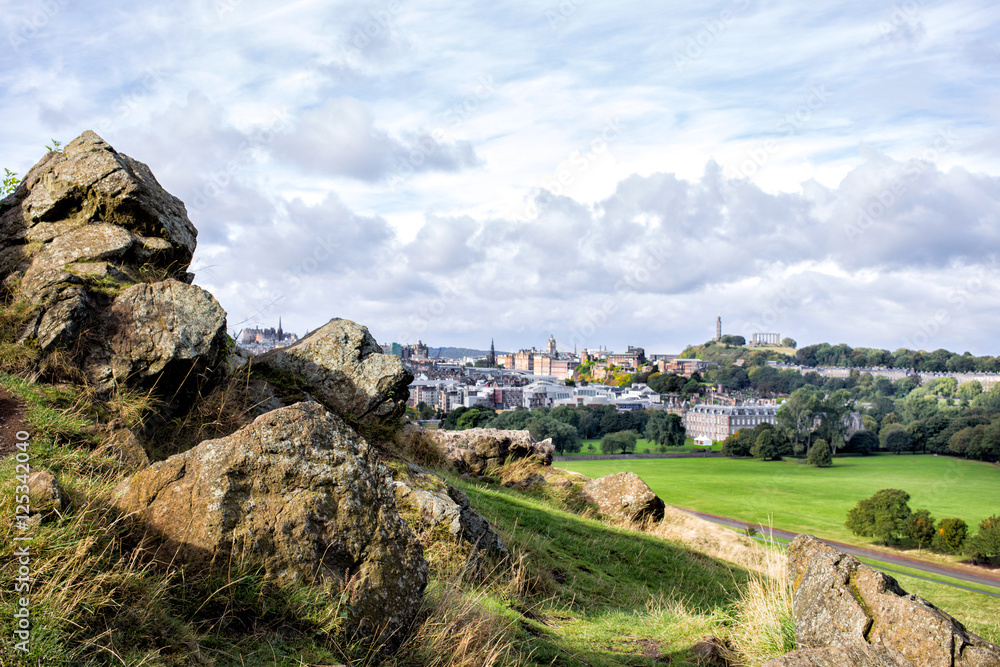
x: 718, y: 422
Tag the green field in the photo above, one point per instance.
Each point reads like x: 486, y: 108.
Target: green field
x: 802, y: 498
x: 641, y: 446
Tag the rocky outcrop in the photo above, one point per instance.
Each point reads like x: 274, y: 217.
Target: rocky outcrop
x: 342, y: 366
x: 298, y: 493
x: 435, y: 503
x: 475, y: 450
x: 842, y: 656
x: 167, y: 332
x: 100, y: 252
x: 840, y: 602
x: 624, y: 495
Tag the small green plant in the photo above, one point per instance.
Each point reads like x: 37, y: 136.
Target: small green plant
x: 54, y: 147
x: 10, y: 182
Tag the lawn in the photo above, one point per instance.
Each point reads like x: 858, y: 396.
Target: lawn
x: 802, y: 498
x: 641, y: 446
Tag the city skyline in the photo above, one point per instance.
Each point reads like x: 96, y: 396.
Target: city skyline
x: 604, y: 173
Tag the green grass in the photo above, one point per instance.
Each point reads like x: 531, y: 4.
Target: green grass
x: 801, y: 498
x: 606, y: 596
x: 640, y: 446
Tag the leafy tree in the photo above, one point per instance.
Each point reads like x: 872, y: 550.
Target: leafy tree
x: 789, y: 342
x: 665, y: 429
x: 565, y: 438
x: 511, y: 420
x: 474, y: 418
x: 770, y: 444
x: 450, y: 422
x: 920, y: 528
x: 882, y: 516
x: 863, y: 442
x: 799, y: 411
x: 820, y: 454
x: 728, y: 339
x: 621, y: 442
x: 895, y: 438
x: 567, y: 415
x: 738, y: 444
x: 950, y: 535
x: 969, y: 390
x: 984, y: 546
x: 425, y: 411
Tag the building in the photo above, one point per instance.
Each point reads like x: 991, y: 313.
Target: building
x: 718, y: 422
x: 551, y: 348
x: 524, y: 360
x: 259, y: 340
x: 685, y: 367
x: 632, y: 359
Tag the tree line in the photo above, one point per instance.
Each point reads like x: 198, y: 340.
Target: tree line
x: 569, y: 425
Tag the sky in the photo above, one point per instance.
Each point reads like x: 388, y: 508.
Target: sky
x: 611, y: 174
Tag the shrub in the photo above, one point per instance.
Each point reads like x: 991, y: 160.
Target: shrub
x: 950, y: 535
x: 883, y: 516
x: 820, y: 455
x: 984, y: 546
x: 920, y: 527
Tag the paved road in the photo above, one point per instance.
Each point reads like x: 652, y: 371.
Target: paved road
x: 903, y: 561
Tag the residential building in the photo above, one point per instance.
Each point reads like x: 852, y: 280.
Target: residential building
x: 718, y: 422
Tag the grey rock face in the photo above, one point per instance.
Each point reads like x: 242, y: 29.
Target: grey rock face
x: 438, y: 503
x: 841, y: 602
x: 624, y: 494
x: 299, y: 493
x: 474, y: 450
x: 342, y: 366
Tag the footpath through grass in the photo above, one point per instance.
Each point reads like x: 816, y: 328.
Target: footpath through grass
x: 801, y: 498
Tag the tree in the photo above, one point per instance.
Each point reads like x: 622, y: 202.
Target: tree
x: 789, y: 342
x: 920, y: 528
x: 882, y: 516
x: 820, y: 455
x: 665, y: 429
x: 565, y: 438
x: 770, y: 444
x: 798, y: 412
x: 728, y: 339
x: 738, y: 444
x: 863, y: 442
x: 984, y: 546
x: 895, y: 438
x: 950, y: 535
x: 621, y: 442
x: 474, y: 418
x: 450, y: 422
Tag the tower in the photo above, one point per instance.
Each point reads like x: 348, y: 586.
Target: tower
x: 491, y: 360
x: 279, y: 330
x: 552, y: 345
x: 718, y: 328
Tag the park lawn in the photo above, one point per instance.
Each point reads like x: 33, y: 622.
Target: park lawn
x: 801, y: 498
x: 640, y: 446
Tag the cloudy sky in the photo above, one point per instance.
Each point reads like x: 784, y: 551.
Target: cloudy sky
x: 610, y: 173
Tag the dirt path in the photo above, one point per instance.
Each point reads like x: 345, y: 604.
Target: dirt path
x: 11, y: 421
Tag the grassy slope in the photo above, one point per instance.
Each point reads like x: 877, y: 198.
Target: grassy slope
x: 609, y: 596
x: 806, y: 499
x: 584, y: 593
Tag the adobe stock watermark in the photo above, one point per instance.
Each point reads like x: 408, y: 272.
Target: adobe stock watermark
x: 569, y: 170
x: 890, y: 195
x: 363, y: 33
x: 765, y: 321
x: 900, y: 17
x: 709, y: 34
x: 653, y: 259
x: 450, y: 292
x: 426, y: 146
x: 788, y: 125
x: 561, y: 13
x: 22, y: 550
x: 246, y: 155
x: 123, y: 106
x: 34, y: 23
x: 983, y: 277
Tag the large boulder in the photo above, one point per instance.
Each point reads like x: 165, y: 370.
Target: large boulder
x: 624, y: 495
x: 342, y: 366
x: 90, y: 183
x: 434, y: 503
x: 839, y: 601
x: 167, y: 335
x: 298, y: 493
x: 868, y: 655
x: 475, y: 450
